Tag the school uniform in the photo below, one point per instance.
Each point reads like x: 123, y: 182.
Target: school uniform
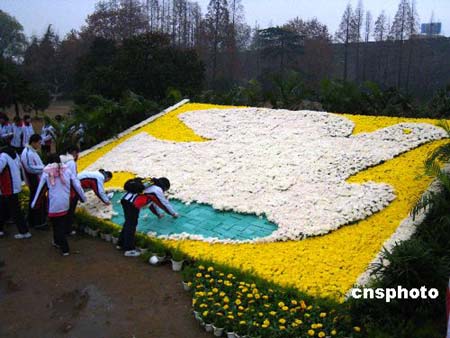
x: 47, y: 134
x: 32, y: 168
x: 69, y: 161
x: 10, y: 187
x: 28, y: 130
x: 6, y: 133
x: 154, y: 198
x: 95, y: 181
x: 17, y: 137
x: 58, y: 183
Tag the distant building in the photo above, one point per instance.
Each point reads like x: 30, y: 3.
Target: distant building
x: 432, y: 28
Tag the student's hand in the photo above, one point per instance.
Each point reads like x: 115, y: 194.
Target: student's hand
x: 176, y: 215
x: 161, y: 216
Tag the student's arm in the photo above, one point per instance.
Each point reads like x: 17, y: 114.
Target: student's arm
x: 39, y: 190
x: 3, y: 162
x: 162, y: 202
x: 77, y: 186
x: 155, y: 210
x: 31, y: 166
x: 101, y: 192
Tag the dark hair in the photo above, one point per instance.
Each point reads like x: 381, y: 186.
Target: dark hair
x: 10, y: 151
x: 26, y: 117
x: 162, y: 182
x: 72, y: 148
x: 35, y: 138
x: 107, y: 174
x: 53, y: 158
x: 17, y: 119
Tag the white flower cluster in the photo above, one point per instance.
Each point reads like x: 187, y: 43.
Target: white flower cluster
x: 291, y: 166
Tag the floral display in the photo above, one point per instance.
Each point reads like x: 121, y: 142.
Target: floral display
x: 246, y: 309
x: 290, y: 166
x: 325, y: 265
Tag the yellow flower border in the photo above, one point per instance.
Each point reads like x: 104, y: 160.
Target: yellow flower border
x: 327, y: 265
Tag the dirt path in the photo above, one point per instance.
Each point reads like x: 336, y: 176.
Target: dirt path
x: 96, y: 293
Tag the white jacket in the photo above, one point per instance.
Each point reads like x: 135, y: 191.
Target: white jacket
x: 69, y: 162
x: 17, y: 138
x: 95, y: 181
x: 6, y: 131
x: 10, y: 180
x: 58, y: 188
x: 27, y: 132
x: 31, y: 161
x: 47, y: 134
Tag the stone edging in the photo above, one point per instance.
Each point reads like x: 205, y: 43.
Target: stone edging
x: 134, y: 127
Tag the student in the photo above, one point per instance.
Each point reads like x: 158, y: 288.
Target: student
x: 6, y: 131
x: 153, y: 196
x: 28, y: 130
x: 57, y: 179
x: 95, y: 180
x: 10, y: 187
x: 17, y: 137
x: 33, y: 167
x: 69, y: 159
x: 47, y: 135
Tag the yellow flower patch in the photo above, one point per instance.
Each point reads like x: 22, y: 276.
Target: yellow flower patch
x: 326, y: 265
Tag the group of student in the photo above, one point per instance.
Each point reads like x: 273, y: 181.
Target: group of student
x: 56, y: 188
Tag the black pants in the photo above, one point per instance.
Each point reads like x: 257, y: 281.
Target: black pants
x: 71, y: 214
x: 126, y: 237
x: 10, y: 207
x: 59, y: 232
x: 37, y: 217
x: 46, y: 149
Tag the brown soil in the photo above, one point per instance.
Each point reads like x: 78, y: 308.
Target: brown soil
x: 96, y: 293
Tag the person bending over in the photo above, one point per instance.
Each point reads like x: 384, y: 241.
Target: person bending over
x: 153, y: 196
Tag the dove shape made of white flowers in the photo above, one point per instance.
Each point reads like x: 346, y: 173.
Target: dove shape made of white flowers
x: 291, y: 166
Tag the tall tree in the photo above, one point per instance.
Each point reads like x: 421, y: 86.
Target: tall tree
x: 217, y: 22
x: 381, y: 29
x: 310, y: 29
x: 277, y: 42
x: 412, y: 30
x: 358, y: 20
x: 344, y: 34
x: 400, y: 33
x: 367, y: 34
x: 12, y: 39
x: 117, y: 20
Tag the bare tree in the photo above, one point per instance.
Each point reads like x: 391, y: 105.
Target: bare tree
x: 367, y: 34
x: 343, y: 34
x: 358, y: 21
x: 216, y: 24
x: 381, y: 28
x: 400, y: 33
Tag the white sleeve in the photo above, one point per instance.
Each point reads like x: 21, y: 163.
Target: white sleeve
x: 77, y: 186
x: 39, y: 189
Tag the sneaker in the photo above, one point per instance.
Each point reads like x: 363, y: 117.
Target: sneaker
x: 22, y: 236
x: 132, y: 253
x: 55, y: 245
x: 118, y: 247
x: 73, y: 233
x: 65, y: 254
x: 2, y: 234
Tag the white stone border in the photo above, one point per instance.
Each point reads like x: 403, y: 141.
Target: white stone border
x: 134, y: 127
x: 403, y: 232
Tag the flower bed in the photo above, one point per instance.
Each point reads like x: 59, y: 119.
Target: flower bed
x: 322, y: 265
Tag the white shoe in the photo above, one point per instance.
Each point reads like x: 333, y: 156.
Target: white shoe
x: 118, y: 247
x: 73, y: 233
x: 2, y: 233
x: 65, y: 254
x: 22, y: 236
x: 132, y: 253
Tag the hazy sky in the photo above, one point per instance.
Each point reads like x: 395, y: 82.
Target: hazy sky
x: 36, y: 15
